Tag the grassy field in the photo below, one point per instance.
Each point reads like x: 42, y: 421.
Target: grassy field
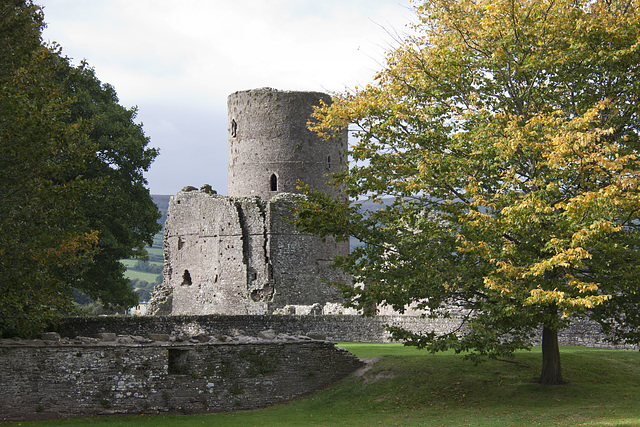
x: 406, y: 387
x: 133, y: 274
x: 154, y: 250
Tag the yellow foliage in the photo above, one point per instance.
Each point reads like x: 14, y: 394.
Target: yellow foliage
x: 517, y: 122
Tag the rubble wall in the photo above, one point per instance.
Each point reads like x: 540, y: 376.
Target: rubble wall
x: 215, y: 255
x: 49, y: 380
x: 301, y: 263
x: 330, y: 327
x: 241, y: 255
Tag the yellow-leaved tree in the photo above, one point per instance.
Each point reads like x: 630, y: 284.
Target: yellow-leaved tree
x: 505, y: 132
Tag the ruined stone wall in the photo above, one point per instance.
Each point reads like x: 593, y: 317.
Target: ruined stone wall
x: 215, y: 255
x: 268, y: 137
x: 50, y: 380
x: 301, y: 263
x: 330, y: 327
x: 241, y: 255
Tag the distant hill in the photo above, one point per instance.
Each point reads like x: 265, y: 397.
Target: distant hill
x: 162, y: 202
x: 144, y: 275
x: 369, y: 206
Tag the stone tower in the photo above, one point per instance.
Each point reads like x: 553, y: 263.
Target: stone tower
x: 241, y: 253
x: 270, y: 147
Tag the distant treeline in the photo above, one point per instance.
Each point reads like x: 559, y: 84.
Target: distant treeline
x: 156, y: 258
x: 146, y: 267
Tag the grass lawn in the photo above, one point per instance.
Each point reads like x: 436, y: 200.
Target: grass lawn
x: 407, y: 387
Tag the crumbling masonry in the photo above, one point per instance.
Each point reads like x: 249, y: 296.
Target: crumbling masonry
x: 240, y: 254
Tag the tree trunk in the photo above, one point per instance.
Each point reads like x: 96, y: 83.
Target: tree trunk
x: 551, y: 370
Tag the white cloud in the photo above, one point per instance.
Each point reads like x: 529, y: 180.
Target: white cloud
x: 170, y: 56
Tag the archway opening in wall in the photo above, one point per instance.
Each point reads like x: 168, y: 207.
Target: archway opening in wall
x: 274, y: 182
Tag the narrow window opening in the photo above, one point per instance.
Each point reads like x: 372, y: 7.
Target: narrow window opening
x: 274, y: 182
x: 234, y: 128
x: 186, y: 278
x: 329, y: 161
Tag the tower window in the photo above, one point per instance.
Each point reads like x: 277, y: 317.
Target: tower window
x: 186, y: 278
x: 234, y: 128
x: 328, y: 161
x: 274, y: 182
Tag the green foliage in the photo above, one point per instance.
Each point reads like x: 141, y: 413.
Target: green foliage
x: 144, y: 288
x: 506, y: 133
x: 123, y: 211
x: 43, y: 156
x: 147, y: 267
x: 71, y: 185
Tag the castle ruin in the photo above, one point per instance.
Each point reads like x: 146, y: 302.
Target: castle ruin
x: 241, y: 254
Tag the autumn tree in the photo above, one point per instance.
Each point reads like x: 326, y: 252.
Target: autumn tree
x: 505, y: 133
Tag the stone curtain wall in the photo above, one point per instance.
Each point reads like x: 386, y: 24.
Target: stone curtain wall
x: 241, y: 255
x: 55, y: 380
x: 332, y: 327
x: 215, y: 257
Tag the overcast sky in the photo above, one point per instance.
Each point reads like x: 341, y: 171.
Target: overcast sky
x: 178, y: 60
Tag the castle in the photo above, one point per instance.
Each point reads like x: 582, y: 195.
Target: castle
x: 239, y: 259
x: 241, y: 254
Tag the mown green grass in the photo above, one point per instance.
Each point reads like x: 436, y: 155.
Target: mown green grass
x: 407, y: 387
x: 128, y: 262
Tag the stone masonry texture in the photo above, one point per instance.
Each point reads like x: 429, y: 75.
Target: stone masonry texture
x: 330, y: 327
x: 241, y: 254
x: 268, y: 137
x: 51, y: 380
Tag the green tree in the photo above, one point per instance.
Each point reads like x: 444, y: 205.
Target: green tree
x: 506, y: 132
x: 43, y: 236
x: 122, y: 211
x: 72, y: 188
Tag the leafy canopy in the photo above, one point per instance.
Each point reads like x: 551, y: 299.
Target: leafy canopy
x: 123, y: 211
x: 42, y: 161
x: 506, y: 132
x: 72, y: 192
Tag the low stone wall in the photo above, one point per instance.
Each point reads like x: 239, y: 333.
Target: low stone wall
x: 333, y: 328
x: 46, y: 379
x: 330, y: 327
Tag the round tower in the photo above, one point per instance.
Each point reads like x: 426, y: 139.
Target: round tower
x: 270, y: 147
